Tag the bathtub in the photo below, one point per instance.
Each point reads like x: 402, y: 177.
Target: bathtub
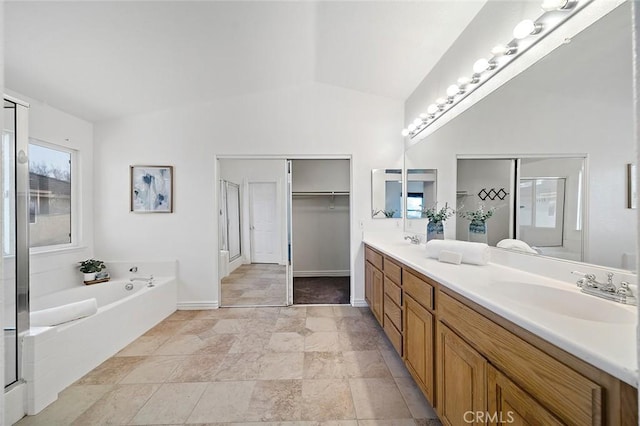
x: 55, y: 357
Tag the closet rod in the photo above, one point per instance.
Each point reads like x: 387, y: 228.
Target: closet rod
x: 330, y: 193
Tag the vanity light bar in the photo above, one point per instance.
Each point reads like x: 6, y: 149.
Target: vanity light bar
x: 525, y: 35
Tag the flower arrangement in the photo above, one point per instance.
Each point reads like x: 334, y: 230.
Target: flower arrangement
x: 435, y: 215
x: 478, y: 215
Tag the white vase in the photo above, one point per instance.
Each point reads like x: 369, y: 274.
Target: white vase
x: 89, y: 276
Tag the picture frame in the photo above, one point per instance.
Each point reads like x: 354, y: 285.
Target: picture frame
x: 632, y: 193
x: 151, y: 189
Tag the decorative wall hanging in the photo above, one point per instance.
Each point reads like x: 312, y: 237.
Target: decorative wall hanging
x: 151, y: 189
x: 492, y: 194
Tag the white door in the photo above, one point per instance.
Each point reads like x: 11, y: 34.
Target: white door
x: 264, y: 227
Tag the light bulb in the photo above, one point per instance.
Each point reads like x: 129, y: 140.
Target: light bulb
x: 432, y: 109
x: 441, y: 102
x: 453, y: 90
x: 464, y: 81
x: 525, y: 29
x: 405, y: 132
x: 411, y: 127
x: 550, y: 5
x: 503, y: 49
x: 417, y: 122
x: 424, y: 116
x: 480, y: 66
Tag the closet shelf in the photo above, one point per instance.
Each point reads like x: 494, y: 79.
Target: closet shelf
x: 314, y: 193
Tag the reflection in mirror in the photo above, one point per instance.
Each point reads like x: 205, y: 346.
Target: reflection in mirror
x: 571, y: 103
x: 548, y: 216
x: 421, y: 191
x: 386, y: 193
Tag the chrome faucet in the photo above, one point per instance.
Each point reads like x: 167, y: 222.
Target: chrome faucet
x: 148, y: 280
x: 607, y: 290
x: 413, y: 238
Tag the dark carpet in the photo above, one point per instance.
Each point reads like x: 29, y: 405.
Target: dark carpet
x: 319, y: 290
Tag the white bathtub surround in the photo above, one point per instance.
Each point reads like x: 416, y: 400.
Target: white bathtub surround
x: 603, y: 341
x: 57, y: 356
x: 64, y: 313
x: 14, y: 404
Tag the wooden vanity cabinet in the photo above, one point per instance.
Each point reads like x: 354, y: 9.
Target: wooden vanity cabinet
x: 462, y: 381
x: 466, y: 359
x: 392, y: 306
x: 373, y: 289
x: 509, y: 404
x: 419, y: 331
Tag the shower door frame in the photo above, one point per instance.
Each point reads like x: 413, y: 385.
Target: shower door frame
x: 21, y: 140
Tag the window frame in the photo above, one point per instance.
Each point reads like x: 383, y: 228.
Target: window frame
x: 75, y: 199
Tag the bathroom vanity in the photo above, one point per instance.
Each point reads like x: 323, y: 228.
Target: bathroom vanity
x: 484, y: 350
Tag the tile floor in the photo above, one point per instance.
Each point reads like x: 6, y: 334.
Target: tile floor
x: 256, y: 284
x: 277, y: 366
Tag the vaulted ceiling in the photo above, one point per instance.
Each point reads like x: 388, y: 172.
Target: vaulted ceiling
x: 100, y: 60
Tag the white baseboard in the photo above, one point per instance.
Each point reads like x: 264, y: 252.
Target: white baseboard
x: 197, y: 306
x: 336, y: 273
x: 359, y: 303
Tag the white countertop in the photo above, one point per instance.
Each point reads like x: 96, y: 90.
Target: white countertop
x: 610, y: 346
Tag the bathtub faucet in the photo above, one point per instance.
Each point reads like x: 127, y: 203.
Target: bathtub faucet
x: 148, y: 280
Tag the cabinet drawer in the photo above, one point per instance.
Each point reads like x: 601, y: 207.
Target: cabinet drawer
x: 418, y: 288
x: 569, y: 395
x: 393, y: 291
x: 373, y: 257
x: 394, y: 335
x: 393, y: 271
x: 392, y: 312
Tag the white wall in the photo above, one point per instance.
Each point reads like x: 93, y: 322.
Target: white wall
x: 312, y: 119
x: 320, y: 175
x: 538, y: 113
x: 321, y: 240
x: 56, y: 270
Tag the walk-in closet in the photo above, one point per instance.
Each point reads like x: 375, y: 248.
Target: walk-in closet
x: 320, y: 239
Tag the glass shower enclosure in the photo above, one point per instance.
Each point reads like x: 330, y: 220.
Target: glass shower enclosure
x: 15, y: 235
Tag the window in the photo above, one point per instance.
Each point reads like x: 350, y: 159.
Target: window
x: 414, y: 205
x: 49, y: 194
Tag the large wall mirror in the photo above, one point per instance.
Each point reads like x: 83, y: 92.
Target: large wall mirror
x: 386, y: 193
x: 563, y: 130
x: 537, y: 200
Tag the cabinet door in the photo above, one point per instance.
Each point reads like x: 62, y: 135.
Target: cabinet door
x: 461, y: 380
x: 368, y: 284
x: 510, y: 404
x: 377, y: 293
x: 419, y: 349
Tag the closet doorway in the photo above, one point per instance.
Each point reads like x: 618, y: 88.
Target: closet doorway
x: 320, y: 231
x: 252, y: 261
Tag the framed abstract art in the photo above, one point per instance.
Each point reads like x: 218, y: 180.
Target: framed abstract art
x: 151, y: 189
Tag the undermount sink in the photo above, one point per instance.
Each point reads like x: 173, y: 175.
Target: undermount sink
x: 570, y: 303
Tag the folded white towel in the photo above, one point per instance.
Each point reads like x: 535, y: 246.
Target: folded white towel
x: 450, y: 257
x: 472, y: 253
x: 519, y: 245
x: 64, y: 313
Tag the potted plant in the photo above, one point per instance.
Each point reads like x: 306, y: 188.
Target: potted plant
x: 478, y: 224
x: 90, y: 268
x: 435, y: 227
